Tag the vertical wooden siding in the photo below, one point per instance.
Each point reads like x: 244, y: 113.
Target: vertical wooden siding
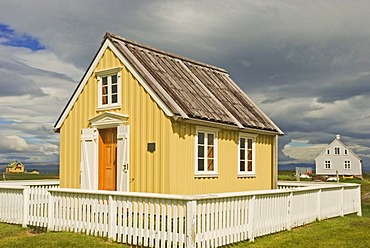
x: 182, y: 157
x: 148, y: 172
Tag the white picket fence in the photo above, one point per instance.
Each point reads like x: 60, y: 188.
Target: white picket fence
x: 159, y: 220
x: 25, y: 202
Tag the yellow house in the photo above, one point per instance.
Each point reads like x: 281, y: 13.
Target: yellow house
x: 14, y: 167
x: 145, y: 120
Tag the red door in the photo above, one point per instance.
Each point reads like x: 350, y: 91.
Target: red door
x: 107, y: 159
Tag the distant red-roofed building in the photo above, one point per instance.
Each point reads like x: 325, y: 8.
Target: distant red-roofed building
x: 15, y: 167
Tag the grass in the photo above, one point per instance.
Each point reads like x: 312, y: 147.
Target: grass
x: 16, y: 236
x: 26, y: 176
x: 348, y: 231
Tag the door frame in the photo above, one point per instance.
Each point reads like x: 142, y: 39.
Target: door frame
x: 119, y: 121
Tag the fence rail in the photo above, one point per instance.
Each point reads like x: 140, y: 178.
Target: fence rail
x: 159, y: 220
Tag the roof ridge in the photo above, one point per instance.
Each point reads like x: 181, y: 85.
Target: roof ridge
x: 173, y: 55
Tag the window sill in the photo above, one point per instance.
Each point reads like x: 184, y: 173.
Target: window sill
x: 116, y: 106
x: 205, y: 175
x: 246, y: 174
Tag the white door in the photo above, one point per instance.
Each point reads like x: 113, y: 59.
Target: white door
x: 123, y: 158
x: 88, y: 169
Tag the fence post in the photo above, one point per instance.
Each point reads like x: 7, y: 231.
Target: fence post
x: 112, y: 218
x: 359, y: 212
x: 50, y: 218
x: 289, y: 220
x: 251, y: 210
x: 342, y: 203
x: 191, y: 212
x: 26, y: 206
x: 318, y: 197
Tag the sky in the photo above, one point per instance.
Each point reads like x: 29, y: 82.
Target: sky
x: 306, y: 64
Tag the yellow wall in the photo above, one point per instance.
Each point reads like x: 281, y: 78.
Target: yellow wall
x: 15, y: 169
x: 183, y: 180
x: 170, y: 169
x: 147, y: 121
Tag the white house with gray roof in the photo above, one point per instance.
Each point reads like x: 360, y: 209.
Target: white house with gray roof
x: 338, y: 157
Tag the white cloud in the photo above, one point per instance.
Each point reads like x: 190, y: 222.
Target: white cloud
x: 48, y: 62
x: 303, y: 152
x: 13, y: 143
x: 49, y: 149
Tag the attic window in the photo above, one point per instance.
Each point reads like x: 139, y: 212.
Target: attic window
x: 336, y: 150
x: 109, y: 88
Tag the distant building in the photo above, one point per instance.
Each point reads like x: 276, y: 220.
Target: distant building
x: 338, y: 157
x: 15, y: 167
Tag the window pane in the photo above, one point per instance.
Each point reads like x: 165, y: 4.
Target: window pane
x: 114, y: 89
x: 104, y: 99
x: 242, y: 142
x: 114, y: 98
x: 105, y: 81
x: 210, y: 165
x: 200, y: 138
x: 200, y: 164
x: 200, y: 151
x: 249, y: 154
x: 114, y: 79
x: 249, y: 143
x: 242, y: 154
x: 249, y: 165
x: 210, y: 152
x: 210, y: 138
x: 242, y: 165
x: 104, y: 90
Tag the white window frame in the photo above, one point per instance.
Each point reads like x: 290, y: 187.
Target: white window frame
x: 326, y: 163
x: 207, y: 173
x: 347, y: 164
x: 247, y: 173
x: 345, y: 152
x: 328, y: 152
x: 109, y: 73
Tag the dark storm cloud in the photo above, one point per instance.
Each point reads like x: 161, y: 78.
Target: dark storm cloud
x: 305, y: 63
x: 16, y: 85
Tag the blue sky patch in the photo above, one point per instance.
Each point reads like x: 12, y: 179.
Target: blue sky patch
x: 9, y: 37
x: 5, y: 122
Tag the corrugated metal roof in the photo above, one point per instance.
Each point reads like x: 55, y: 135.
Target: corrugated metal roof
x: 201, y: 91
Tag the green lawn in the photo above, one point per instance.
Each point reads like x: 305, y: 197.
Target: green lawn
x: 16, y: 236
x: 348, y: 231
x: 26, y: 176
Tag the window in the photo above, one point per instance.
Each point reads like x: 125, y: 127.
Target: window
x: 336, y: 150
x: 206, y: 152
x: 327, y: 164
x: 347, y: 164
x: 328, y: 152
x: 109, y: 88
x: 345, y: 152
x: 246, y: 155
